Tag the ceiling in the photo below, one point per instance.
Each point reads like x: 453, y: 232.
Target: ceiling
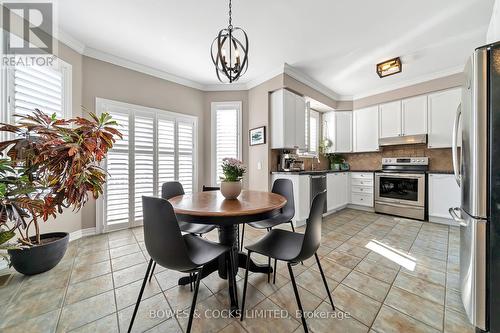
x: 336, y: 43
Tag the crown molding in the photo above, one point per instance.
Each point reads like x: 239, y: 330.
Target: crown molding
x: 411, y: 82
x: 307, y: 80
x: 103, y: 56
x: 71, y: 42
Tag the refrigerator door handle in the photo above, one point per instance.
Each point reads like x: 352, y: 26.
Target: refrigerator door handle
x: 454, y: 146
x: 456, y: 218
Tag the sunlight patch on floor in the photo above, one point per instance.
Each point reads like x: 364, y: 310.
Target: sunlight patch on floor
x: 392, y: 254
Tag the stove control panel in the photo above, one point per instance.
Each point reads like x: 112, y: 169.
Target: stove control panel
x: 405, y: 161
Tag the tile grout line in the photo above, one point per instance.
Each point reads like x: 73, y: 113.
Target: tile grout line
x: 66, y: 291
x: 392, y: 284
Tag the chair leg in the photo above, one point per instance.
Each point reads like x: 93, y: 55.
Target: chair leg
x: 191, y: 282
x: 324, y: 280
x: 269, y: 272
x: 152, y: 271
x: 245, y: 288
x: 242, y: 236
x: 140, y: 295
x: 231, y: 274
x: 193, y: 304
x: 293, y: 228
x: 297, y: 297
x: 274, y: 273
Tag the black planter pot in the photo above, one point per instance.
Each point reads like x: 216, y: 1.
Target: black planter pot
x: 41, y: 258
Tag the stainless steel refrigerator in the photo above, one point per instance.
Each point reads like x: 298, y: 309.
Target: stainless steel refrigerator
x: 477, y: 170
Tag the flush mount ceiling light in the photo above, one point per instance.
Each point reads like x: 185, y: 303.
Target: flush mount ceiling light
x: 230, y: 52
x: 389, y: 67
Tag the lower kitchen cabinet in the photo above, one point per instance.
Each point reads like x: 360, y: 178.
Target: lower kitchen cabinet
x: 337, y: 188
x: 362, y: 189
x: 444, y: 194
x: 301, y: 195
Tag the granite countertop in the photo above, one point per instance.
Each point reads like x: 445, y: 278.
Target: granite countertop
x: 315, y: 172
x: 445, y: 172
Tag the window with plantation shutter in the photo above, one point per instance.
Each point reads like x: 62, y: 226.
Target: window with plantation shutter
x: 226, y: 135
x: 158, y: 146
x: 313, y: 131
x: 47, y: 88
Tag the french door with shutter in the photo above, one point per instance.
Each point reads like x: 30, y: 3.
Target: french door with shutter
x: 157, y: 146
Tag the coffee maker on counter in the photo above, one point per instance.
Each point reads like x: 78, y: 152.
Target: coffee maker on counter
x: 290, y: 162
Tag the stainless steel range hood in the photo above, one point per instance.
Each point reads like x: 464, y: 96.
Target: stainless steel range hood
x: 403, y: 140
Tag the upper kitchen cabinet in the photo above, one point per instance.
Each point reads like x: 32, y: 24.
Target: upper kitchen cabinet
x: 414, y: 115
x: 390, y: 119
x: 365, y: 129
x: 337, y: 127
x: 442, y: 109
x: 288, y: 114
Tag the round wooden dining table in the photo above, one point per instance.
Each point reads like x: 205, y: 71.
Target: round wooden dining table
x: 212, y: 208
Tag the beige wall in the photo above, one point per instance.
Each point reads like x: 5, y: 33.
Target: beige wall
x: 446, y: 82
x: 258, y: 115
x: 105, y: 80
x: 224, y: 96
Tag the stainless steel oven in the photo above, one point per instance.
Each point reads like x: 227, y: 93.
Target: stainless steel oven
x: 401, y: 186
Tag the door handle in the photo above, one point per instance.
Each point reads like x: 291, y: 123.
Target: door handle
x: 454, y: 146
x: 456, y: 218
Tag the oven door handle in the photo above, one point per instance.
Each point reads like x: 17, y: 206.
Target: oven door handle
x: 396, y: 205
x: 399, y: 175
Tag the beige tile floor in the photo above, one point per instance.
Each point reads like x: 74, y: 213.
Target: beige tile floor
x: 95, y: 287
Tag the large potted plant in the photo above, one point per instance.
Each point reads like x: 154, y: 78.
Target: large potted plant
x: 49, y: 164
x: 233, y: 170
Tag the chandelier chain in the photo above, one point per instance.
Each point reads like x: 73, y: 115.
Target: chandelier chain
x: 230, y: 13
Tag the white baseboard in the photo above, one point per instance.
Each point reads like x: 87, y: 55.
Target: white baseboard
x: 364, y: 208
x: 81, y: 233
x: 441, y: 220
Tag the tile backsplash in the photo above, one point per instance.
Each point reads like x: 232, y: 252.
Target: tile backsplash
x: 439, y: 159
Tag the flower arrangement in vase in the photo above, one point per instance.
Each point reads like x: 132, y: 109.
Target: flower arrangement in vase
x: 233, y: 170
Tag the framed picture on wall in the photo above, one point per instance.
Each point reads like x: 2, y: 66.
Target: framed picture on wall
x: 257, y: 136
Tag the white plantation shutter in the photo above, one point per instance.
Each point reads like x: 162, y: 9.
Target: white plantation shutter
x: 166, y: 151
x: 143, y: 161
x: 157, y: 146
x: 42, y: 87
x: 117, y: 166
x: 313, y: 131
x: 226, y: 129
x: 185, y: 139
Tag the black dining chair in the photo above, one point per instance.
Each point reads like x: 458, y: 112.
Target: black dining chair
x: 283, y: 187
x: 173, y: 189
x: 292, y: 248
x: 169, y: 248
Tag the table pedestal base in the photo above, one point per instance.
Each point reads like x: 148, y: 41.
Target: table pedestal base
x: 228, y: 235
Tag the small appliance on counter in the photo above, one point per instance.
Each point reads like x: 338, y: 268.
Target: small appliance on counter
x: 290, y: 162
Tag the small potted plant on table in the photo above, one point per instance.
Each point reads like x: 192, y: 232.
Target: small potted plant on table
x: 336, y: 161
x: 233, y: 170
x: 49, y: 164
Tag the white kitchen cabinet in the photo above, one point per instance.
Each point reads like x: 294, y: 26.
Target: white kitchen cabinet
x: 365, y: 129
x: 337, y: 190
x: 301, y: 195
x: 444, y: 194
x: 337, y: 127
x: 361, y: 185
x: 414, y: 115
x: 442, y: 107
x: 390, y: 119
x: 288, y: 114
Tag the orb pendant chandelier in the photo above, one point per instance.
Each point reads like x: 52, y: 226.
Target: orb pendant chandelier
x: 230, y: 52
